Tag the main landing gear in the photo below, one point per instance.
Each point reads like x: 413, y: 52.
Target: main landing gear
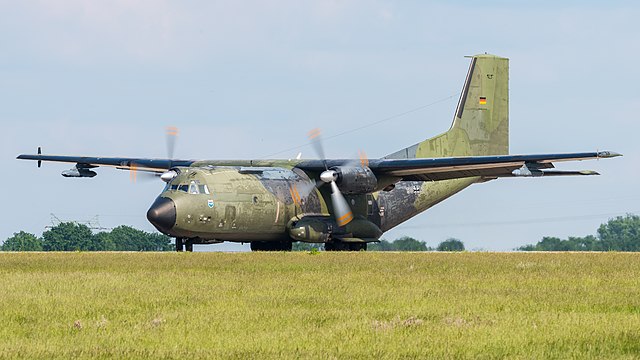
x: 271, y: 246
x: 184, y: 244
x: 345, y: 246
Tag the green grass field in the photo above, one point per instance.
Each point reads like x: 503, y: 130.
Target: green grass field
x: 326, y: 305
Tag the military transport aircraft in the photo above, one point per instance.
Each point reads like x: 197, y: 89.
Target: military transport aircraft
x: 344, y: 204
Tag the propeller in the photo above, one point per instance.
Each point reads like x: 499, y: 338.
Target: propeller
x: 171, y: 135
x: 341, y: 209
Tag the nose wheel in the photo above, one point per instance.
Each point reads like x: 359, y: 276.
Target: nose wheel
x: 183, y: 244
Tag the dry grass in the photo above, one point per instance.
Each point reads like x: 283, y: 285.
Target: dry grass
x: 329, y: 305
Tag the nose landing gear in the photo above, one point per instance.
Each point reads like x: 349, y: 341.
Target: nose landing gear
x: 184, y: 244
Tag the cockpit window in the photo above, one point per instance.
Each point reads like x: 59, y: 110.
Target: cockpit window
x: 194, y: 187
x: 203, y: 188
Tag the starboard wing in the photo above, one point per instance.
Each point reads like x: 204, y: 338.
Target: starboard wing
x: 433, y: 169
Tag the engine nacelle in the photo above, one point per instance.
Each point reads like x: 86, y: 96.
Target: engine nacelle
x: 315, y: 229
x: 321, y: 229
x: 356, y: 180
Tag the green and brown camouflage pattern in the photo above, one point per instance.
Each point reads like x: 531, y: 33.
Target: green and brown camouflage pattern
x: 477, y: 129
x: 268, y: 205
x: 269, y: 201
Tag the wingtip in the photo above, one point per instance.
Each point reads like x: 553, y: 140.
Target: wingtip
x: 608, y: 154
x: 589, y: 172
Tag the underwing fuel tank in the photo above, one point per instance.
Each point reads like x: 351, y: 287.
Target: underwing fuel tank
x: 79, y: 172
x: 321, y: 229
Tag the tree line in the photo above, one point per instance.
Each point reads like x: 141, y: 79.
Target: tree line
x: 618, y: 234
x: 404, y: 243
x: 71, y: 236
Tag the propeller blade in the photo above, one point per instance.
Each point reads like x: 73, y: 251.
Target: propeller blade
x: 305, y: 188
x: 341, y: 208
x: 364, y: 160
x: 133, y: 172
x: 316, y: 142
x: 136, y: 174
x: 172, y: 134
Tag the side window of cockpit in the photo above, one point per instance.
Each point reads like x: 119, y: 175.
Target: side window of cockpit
x: 183, y: 188
x: 203, y: 188
x: 174, y: 187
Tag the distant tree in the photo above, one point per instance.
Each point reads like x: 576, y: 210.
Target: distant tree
x: 159, y: 242
x: 22, y: 241
x: 102, y: 242
x: 587, y: 243
x: 551, y: 243
x: 126, y: 238
x: 451, y: 245
x: 407, y: 243
x: 383, y: 245
x: 303, y: 246
x: 67, y: 236
x: 404, y: 243
x: 620, y: 234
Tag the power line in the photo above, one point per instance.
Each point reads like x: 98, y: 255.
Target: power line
x: 518, y: 222
x: 93, y: 223
x: 367, y: 125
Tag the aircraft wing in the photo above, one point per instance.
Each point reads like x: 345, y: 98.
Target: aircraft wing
x: 123, y: 163
x: 432, y: 169
x: 422, y: 169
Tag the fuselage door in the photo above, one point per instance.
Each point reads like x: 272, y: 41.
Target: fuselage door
x: 230, y: 217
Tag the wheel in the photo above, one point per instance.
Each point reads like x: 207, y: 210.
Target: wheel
x: 357, y: 246
x: 257, y: 246
x: 336, y: 246
x: 344, y: 246
x: 189, y: 245
x: 271, y: 245
x: 179, y: 244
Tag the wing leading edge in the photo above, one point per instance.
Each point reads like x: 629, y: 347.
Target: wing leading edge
x: 433, y: 169
x: 87, y: 162
x: 420, y: 169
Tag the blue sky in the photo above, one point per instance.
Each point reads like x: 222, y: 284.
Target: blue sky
x: 247, y: 79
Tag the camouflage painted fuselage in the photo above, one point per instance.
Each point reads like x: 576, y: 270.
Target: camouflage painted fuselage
x: 266, y: 200
x: 265, y: 204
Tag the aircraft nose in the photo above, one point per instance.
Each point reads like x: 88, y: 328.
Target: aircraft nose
x: 162, y: 214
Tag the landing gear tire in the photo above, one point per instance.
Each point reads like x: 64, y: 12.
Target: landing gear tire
x: 189, y: 245
x: 179, y: 244
x: 271, y: 245
x: 345, y: 246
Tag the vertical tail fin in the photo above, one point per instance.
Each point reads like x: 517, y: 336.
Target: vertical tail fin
x: 481, y: 122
